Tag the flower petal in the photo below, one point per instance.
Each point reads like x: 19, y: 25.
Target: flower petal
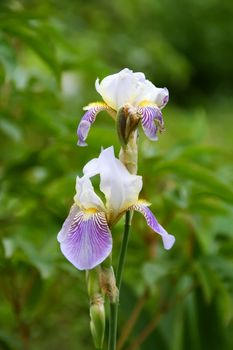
x: 152, y: 120
x: 68, y: 222
x: 85, y: 238
x: 168, y: 240
x: 85, y: 196
x: 162, y: 97
x: 151, y: 93
x: 127, y: 87
x: 91, y: 168
x: 121, y: 188
x: 88, y: 119
x: 120, y: 88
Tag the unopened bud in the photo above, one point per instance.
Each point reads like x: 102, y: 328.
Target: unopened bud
x: 97, y: 311
x: 97, y: 323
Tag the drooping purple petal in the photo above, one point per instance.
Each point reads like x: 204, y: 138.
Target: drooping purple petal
x: 152, y: 120
x: 62, y: 234
x: 87, y: 120
x: 85, y: 238
x: 168, y: 240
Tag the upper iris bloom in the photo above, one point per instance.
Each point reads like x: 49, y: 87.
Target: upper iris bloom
x: 133, y: 92
x: 85, y: 236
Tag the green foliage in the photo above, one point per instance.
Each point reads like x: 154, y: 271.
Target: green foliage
x: 50, y: 55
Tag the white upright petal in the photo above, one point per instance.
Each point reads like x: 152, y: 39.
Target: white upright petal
x: 147, y: 92
x: 86, y: 197
x: 152, y: 94
x: 140, y: 77
x: 107, y: 89
x: 129, y: 87
x: 121, y: 188
x: 120, y: 88
x: 160, y: 96
x: 91, y: 168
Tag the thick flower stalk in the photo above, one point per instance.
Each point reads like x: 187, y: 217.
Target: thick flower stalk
x: 132, y: 97
x: 85, y: 238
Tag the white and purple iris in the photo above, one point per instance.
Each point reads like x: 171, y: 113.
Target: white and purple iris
x: 126, y: 88
x: 85, y: 237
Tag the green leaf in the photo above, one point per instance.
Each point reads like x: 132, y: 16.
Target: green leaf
x: 32, y: 36
x: 203, y: 177
x: 152, y: 273
x: 204, y: 277
x: 11, y: 130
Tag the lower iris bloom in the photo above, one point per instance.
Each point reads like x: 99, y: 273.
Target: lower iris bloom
x: 85, y: 237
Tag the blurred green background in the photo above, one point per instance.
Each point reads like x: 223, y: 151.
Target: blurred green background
x: 50, y: 55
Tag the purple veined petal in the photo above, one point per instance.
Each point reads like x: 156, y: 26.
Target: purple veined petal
x: 88, y: 119
x: 152, y: 120
x: 85, y: 238
x: 168, y: 240
x: 62, y: 234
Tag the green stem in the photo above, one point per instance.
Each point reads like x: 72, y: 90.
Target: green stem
x: 119, y: 272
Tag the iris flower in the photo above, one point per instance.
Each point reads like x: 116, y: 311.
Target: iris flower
x: 85, y: 237
x: 131, y: 90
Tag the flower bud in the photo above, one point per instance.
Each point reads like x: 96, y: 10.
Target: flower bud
x: 97, y: 311
x: 97, y: 323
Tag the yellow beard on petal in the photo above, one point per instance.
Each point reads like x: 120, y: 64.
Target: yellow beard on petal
x: 95, y: 104
x: 89, y: 212
x: 147, y: 103
x: 105, y: 106
x: 143, y: 202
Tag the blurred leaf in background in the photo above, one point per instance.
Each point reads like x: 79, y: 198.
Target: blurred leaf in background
x: 50, y: 55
